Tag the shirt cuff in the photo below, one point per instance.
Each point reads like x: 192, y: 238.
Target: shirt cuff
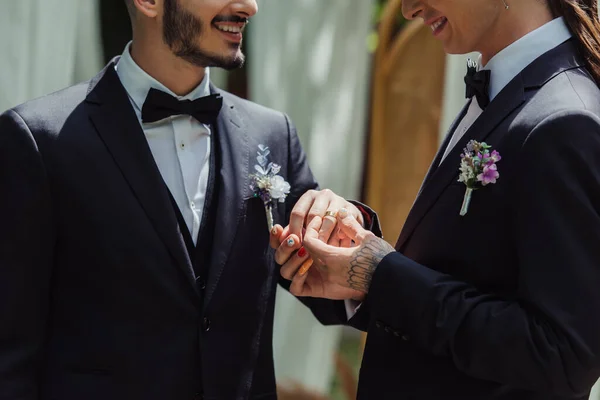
x: 352, y: 307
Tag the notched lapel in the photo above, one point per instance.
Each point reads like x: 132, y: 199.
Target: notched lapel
x: 233, y: 190
x: 116, y: 123
x: 438, y: 157
x: 511, y: 97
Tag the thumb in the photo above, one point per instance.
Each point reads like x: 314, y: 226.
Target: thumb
x: 351, y: 227
x: 315, y: 247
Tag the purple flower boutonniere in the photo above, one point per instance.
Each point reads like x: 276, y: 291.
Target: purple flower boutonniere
x: 266, y: 184
x: 477, y: 169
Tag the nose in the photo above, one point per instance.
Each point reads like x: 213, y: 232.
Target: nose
x: 412, y: 9
x: 247, y: 8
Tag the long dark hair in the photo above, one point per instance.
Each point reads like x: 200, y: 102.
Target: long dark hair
x: 582, y: 18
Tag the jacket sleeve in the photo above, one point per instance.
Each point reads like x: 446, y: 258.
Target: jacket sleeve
x: 26, y: 247
x: 545, y: 337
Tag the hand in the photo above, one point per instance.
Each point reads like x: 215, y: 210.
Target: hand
x: 308, y: 282
x: 315, y: 204
x: 351, y: 267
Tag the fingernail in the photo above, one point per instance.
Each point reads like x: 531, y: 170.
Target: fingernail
x: 274, y: 231
x: 302, y: 252
x: 291, y: 242
x: 343, y: 213
x: 305, y: 267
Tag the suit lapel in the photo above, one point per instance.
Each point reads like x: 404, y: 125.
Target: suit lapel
x: 562, y: 58
x: 234, y: 180
x: 511, y: 97
x: 115, y: 120
x: 440, y: 153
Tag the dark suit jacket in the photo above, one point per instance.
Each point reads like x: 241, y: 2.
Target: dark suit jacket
x: 98, y: 298
x: 501, y: 303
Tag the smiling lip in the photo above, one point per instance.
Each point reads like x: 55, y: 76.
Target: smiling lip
x: 231, y: 31
x: 437, y: 24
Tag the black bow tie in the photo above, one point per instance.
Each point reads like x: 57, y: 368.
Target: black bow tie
x: 478, y: 84
x: 160, y: 105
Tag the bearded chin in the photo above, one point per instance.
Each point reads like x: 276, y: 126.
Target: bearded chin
x: 196, y: 56
x: 182, y: 31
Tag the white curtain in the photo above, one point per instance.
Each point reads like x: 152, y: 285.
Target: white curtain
x: 309, y: 59
x: 46, y: 45
x: 454, y: 99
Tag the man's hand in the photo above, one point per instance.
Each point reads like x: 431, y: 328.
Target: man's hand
x: 352, y: 267
x: 308, y: 282
x: 318, y: 204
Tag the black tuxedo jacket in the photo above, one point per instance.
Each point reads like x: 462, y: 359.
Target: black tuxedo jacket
x: 501, y: 303
x: 98, y: 297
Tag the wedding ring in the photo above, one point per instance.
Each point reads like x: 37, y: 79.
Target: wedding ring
x: 331, y: 214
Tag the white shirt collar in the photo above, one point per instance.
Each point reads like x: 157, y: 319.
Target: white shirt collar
x: 137, y: 82
x: 513, y: 59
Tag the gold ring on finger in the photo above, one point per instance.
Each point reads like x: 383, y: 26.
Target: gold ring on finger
x: 332, y: 214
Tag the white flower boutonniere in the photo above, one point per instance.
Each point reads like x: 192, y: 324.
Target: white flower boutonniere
x: 266, y: 184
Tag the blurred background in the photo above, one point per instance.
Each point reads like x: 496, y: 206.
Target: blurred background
x: 372, y: 96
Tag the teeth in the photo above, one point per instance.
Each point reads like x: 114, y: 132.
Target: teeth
x: 227, y: 28
x: 437, y: 24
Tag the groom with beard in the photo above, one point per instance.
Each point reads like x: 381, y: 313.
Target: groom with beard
x: 134, y: 257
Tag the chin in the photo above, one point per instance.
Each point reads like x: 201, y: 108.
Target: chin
x: 232, y: 62
x: 452, y: 48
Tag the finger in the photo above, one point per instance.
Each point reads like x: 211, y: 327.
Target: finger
x: 285, y: 234
x: 320, y: 205
x: 300, y: 211
x: 286, y: 249
x: 334, y: 240
x: 296, y: 261
x: 327, y: 227
x: 357, y: 214
x: 275, y: 237
x: 298, y: 286
x: 315, y: 247
x: 340, y: 234
x: 350, y: 226
x: 305, y: 267
x: 346, y: 242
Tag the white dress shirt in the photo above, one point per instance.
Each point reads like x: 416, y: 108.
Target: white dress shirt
x: 180, y: 144
x: 508, y: 63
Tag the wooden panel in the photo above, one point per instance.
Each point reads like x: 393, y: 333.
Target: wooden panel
x: 407, y: 97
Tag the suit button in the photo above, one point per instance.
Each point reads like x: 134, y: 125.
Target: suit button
x: 406, y: 338
x: 378, y: 324
x: 200, y: 283
x: 206, y: 324
x: 387, y: 329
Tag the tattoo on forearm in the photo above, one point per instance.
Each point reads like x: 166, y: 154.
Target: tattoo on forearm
x: 365, y: 260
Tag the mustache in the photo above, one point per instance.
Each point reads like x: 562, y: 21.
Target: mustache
x: 230, y: 18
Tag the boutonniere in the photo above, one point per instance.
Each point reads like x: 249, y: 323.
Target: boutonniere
x: 477, y: 169
x: 266, y: 184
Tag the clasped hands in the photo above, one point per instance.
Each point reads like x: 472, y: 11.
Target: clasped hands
x: 328, y: 230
